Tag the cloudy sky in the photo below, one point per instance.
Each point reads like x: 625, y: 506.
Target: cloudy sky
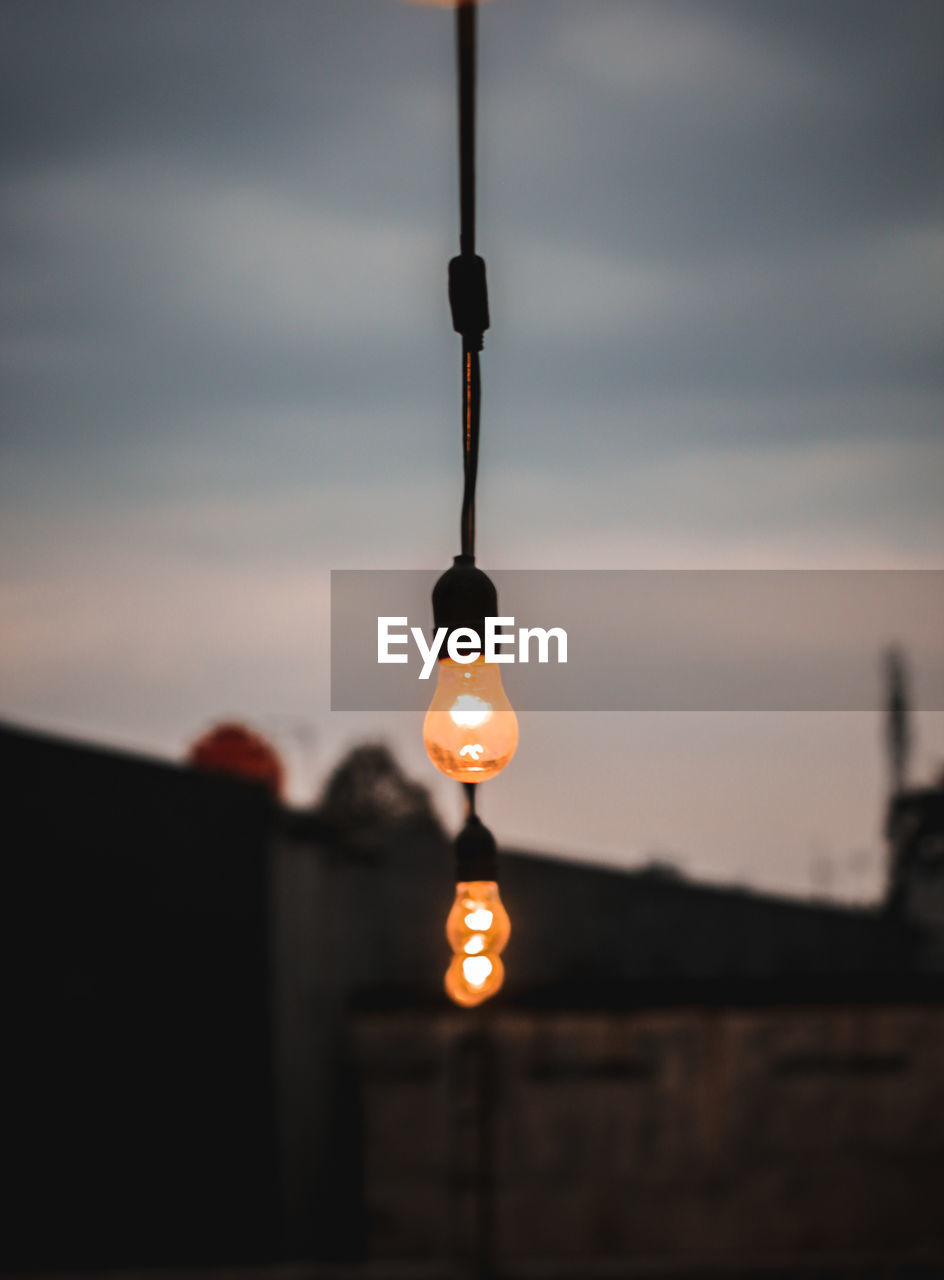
x: 715, y: 239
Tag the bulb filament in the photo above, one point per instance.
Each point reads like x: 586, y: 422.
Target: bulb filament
x: 477, y: 930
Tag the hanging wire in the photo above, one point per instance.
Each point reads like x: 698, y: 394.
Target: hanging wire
x: 469, y: 790
x: 466, y: 60
x: 468, y: 293
x: 471, y: 407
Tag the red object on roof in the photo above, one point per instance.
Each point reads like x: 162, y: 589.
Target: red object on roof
x: 236, y: 750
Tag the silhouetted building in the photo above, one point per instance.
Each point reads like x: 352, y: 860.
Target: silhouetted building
x: 139, y: 1101
x: 229, y: 1044
x: 915, y: 831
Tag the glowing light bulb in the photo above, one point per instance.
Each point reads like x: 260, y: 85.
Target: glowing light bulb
x: 477, y: 930
x: 470, y: 730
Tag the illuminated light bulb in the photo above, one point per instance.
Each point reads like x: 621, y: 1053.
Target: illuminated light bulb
x: 477, y: 930
x: 470, y: 731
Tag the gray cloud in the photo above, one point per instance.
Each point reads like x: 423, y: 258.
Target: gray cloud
x: 715, y: 236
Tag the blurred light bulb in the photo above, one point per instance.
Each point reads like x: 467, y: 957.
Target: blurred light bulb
x: 477, y: 930
x: 470, y: 730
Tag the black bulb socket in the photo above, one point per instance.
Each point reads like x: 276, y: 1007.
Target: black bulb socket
x: 476, y: 852
x: 464, y: 597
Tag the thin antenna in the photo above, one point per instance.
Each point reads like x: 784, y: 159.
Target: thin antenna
x: 897, y: 718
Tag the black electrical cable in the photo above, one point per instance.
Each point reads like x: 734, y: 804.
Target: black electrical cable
x: 465, y: 59
x: 469, y: 789
x: 468, y: 294
x: 471, y: 406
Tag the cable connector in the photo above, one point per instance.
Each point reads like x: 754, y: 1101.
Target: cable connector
x: 468, y: 298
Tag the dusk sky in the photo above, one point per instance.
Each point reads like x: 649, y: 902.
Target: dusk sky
x: 715, y: 244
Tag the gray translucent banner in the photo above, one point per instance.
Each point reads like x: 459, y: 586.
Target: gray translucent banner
x: 664, y: 640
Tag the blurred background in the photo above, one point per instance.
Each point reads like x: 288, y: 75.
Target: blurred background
x: 715, y: 243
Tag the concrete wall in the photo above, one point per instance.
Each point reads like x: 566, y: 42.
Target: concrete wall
x: 342, y: 919
x: 565, y: 1144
